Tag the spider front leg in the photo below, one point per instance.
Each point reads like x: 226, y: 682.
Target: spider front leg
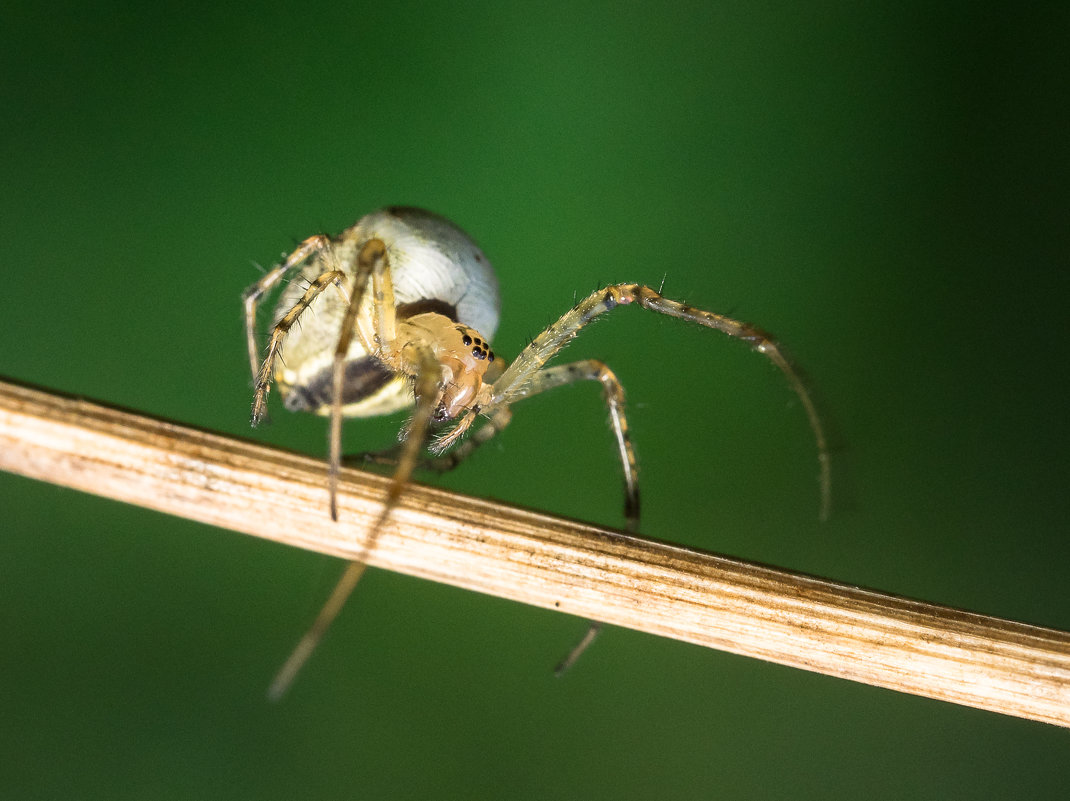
x: 371, y: 259
x: 372, y: 267
x: 547, y: 344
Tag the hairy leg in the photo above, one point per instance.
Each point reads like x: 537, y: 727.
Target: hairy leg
x: 547, y: 344
x: 250, y: 299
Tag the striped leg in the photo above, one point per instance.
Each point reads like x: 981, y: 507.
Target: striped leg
x: 251, y: 297
x: 278, y: 334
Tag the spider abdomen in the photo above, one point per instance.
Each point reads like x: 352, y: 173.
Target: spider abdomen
x: 434, y: 266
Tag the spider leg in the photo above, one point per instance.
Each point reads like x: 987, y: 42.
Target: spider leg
x: 547, y: 344
x: 427, y: 384
x: 440, y: 463
x: 372, y: 267
x: 384, y: 307
x: 251, y: 297
x: 613, y: 394
x: 372, y: 255
x: 562, y: 667
x: 446, y: 461
x: 278, y: 335
x: 388, y: 457
x: 311, y: 638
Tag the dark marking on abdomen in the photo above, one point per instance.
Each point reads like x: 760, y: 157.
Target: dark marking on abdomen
x: 426, y: 306
x: 363, y: 378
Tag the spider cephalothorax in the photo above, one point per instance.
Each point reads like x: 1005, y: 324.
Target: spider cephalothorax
x: 464, y: 357
x: 397, y: 312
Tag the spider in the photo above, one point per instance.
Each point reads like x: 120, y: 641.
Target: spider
x: 397, y: 312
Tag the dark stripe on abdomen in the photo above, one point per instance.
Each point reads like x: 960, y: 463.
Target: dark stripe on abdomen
x: 362, y: 379
x: 425, y: 306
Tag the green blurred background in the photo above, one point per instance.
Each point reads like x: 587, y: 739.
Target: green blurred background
x: 885, y: 188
